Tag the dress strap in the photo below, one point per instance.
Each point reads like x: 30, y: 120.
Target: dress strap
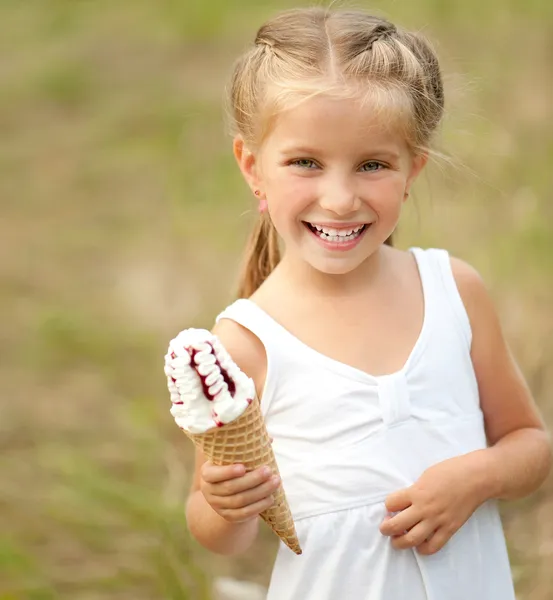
x: 435, y: 267
x: 251, y: 317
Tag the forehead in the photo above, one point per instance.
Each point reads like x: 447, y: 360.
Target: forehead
x: 326, y: 122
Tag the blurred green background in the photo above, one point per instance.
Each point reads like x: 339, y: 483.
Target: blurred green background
x: 122, y: 222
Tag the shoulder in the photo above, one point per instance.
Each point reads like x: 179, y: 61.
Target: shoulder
x: 474, y: 293
x: 469, y: 281
x: 245, y: 349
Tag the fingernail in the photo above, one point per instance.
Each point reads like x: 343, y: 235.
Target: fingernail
x: 267, y: 470
x: 276, y: 480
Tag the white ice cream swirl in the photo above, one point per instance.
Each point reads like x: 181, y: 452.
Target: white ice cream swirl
x: 207, y: 388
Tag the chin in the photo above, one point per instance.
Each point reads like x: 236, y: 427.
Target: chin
x: 334, y: 267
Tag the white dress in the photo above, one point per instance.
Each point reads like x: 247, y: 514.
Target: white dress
x: 344, y: 440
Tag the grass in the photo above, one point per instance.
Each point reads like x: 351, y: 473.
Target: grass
x: 115, y: 170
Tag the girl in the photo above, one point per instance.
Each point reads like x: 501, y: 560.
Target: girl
x: 397, y: 412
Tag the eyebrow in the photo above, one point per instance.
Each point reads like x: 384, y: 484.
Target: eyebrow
x: 307, y: 151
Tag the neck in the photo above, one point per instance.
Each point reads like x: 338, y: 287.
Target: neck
x: 301, y: 276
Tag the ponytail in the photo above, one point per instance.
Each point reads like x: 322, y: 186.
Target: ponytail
x: 261, y: 257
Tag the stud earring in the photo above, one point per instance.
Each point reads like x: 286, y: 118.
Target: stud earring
x: 262, y: 207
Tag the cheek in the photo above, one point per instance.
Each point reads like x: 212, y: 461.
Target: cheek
x: 290, y: 193
x: 285, y: 180
x: 387, y: 196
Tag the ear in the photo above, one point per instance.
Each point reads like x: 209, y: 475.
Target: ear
x: 418, y: 164
x: 247, y: 162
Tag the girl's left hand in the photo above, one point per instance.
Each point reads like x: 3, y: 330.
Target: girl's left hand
x: 435, y: 506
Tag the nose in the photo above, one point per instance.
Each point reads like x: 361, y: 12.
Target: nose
x: 338, y: 195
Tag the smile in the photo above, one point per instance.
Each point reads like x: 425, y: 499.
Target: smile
x: 342, y: 234
x: 338, y: 238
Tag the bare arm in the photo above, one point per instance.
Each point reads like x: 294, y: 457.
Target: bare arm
x: 224, y: 502
x: 209, y: 528
x: 519, y: 458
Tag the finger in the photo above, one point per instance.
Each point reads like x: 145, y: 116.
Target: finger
x: 434, y: 542
x: 416, y: 536
x: 401, y: 522
x: 214, y: 473
x: 399, y: 500
x: 251, y: 496
x: 240, y: 484
x: 248, y: 512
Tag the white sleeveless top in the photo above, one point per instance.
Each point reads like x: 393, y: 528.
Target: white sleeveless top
x: 345, y: 439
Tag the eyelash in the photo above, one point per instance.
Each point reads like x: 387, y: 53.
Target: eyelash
x: 296, y: 163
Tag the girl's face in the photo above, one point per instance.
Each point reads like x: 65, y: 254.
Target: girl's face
x: 335, y: 181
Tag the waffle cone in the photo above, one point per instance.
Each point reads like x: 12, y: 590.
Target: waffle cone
x: 246, y: 441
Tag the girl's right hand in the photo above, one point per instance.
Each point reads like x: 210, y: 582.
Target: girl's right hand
x: 235, y: 495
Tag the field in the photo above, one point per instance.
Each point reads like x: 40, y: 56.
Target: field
x: 122, y: 221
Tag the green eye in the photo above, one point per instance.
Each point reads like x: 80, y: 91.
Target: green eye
x: 304, y: 163
x: 372, y: 166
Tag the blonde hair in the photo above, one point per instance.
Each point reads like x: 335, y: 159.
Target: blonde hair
x: 304, y: 52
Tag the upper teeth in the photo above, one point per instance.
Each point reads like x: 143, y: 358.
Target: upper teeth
x: 340, y: 232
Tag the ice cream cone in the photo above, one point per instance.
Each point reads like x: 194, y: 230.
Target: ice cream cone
x: 246, y: 441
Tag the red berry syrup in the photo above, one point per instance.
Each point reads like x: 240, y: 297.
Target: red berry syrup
x: 230, y: 383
